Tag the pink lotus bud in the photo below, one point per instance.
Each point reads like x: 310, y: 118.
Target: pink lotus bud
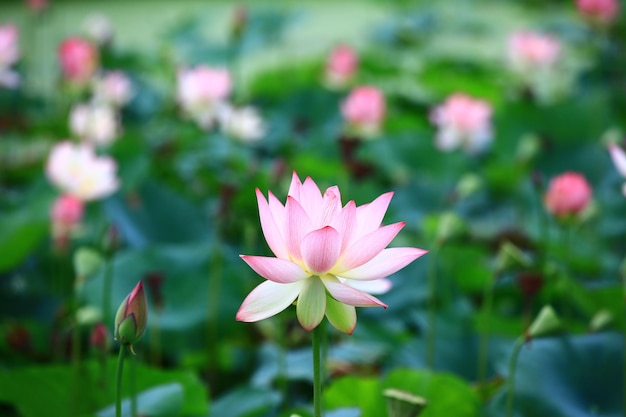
x: 66, y: 215
x: 99, y: 338
x: 341, y: 65
x: 463, y: 122
x: 530, y: 51
x: 600, y: 11
x: 364, y: 110
x: 77, y: 170
x: 67, y: 210
x: 201, y: 91
x: 79, y: 59
x: 113, y: 88
x: 132, y: 316
x: 94, y: 123
x: 568, y: 194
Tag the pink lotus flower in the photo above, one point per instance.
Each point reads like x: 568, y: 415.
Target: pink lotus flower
x: 568, y: 194
x: 463, y: 122
x: 113, y: 88
x: 94, y: 123
x: 341, y: 65
x: 76, y: 170
x: 79, y: 59
x: 327, y: 256
x: 364, y: 110
x: 529, y: 51
x: 618, y: 156
x: 201, y: 91
x: 66, y: 214
x: 600, y: 11
x: 9, y: 55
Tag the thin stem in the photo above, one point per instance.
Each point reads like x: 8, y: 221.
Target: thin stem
x: 511, y: 377
x: 107, y: 284
x: 483, y: 348
x: 118, y: 389
x: 432, y: 307
x: 133, y: 389
x: 317, y: 373
x: 76, y: 361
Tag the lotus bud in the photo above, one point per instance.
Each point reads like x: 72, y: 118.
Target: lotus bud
x: 132, y: 317
x: 544, y: 324
x: 86, y: 262
x: 601, y: 320
x: 450, y: 226
x: 99, y: 338
x: 403, y: 404
x: 510, y: 255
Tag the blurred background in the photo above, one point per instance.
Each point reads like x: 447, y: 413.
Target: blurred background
x: 133, y: 135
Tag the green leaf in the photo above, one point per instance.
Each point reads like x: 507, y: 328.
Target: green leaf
x: 352, y: 391
x: 161, y: 401
x: 62, y: 390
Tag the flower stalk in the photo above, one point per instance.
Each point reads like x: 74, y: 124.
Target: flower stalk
x: 317, y: 372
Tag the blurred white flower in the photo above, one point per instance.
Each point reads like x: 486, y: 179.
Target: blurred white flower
x: 114, y: 88
x: 95, y: 123
x: 76, y: 170
x: 98, y: 28
x: 244, y: 124
x: 463, y: 122
x: 201, y: 91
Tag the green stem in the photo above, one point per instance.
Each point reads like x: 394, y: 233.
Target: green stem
x: 76, y: 359
x: 317, y: 373
x: 118, y: 389
x: 432, y: 307
x: 511, y: 377
x: 107, y: 284
x: 133, y: 389
x: 483, y: 349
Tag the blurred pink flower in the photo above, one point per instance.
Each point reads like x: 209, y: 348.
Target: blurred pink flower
x: 66, y: 214
x: 326, y: 256
x: 37, y: 5
x: 530, y: 50
x: 113, y: 88
x: 9, y: 55
x: 9, y: 45
x: 79, y: 59
x: 76, y: 170
x: 201, y: 90
x: 463, y: 122
x: 341, y: 65
x: 568, y: 194
x: 601, y: 11
x: 618, y: 156
x: 94, y: 123
x: 364, y: 110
